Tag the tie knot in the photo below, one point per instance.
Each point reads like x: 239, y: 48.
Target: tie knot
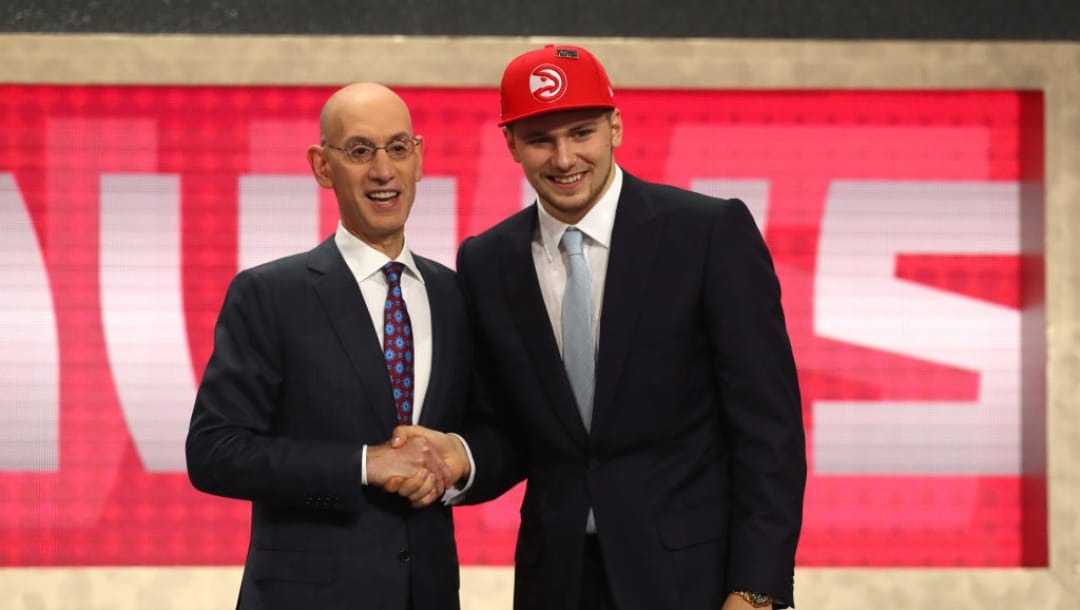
x: 572, y: 239
x: 392, y: 271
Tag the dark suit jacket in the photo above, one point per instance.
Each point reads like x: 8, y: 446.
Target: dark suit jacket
x: 695, y: 465
x: 296, y: 384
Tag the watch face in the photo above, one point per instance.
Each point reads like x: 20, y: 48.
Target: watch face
x: 758, y: 599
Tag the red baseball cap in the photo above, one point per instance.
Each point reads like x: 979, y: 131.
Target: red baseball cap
x: 554, y: 78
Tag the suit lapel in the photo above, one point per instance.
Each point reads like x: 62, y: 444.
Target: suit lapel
x: 347, y: 313
x: 631, y: 262
x: 522, y: 291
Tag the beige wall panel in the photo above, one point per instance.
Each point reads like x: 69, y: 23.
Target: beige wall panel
x: 183, y: 588
x: 1053, y: 68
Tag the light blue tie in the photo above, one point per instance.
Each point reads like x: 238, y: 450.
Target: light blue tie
x: 577, y: 333
x: 579, y: 353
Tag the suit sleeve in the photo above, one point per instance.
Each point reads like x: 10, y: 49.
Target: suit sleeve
x: 232, y: 448
x: 488, y: 429
x: 756, y: 374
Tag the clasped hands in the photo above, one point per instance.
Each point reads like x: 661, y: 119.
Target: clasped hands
x: 417, y: 463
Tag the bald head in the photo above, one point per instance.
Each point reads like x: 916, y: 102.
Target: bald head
x: 361, y: 100
x: 372, y: 160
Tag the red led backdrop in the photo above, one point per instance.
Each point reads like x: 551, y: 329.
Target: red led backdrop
x: 906, y: 228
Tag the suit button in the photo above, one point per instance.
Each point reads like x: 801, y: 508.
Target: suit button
x: 404, y: 556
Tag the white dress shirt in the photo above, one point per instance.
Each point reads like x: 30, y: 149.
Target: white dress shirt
x: 553, y: 264
x: 366, y: 264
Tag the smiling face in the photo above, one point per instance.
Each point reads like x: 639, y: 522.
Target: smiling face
x: 568, y: 157
x: 374, y: 198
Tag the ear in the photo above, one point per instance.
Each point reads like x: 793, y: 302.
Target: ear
x: 616, y: 128
x: 320, y: 168
x: 419, y: 157
x: 511, y: 144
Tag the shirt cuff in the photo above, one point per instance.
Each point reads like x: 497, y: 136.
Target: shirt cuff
x: 363, y: 465
x: 455, y: 494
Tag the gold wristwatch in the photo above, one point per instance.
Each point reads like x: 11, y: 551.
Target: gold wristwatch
x: 757, y: 600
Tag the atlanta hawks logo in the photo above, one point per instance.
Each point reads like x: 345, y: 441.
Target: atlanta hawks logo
x: 547, y: 83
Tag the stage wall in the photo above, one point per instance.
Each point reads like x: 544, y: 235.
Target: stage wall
x: 917, y: 211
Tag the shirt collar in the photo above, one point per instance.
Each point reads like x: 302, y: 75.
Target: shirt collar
x: 597, y: 223
x: 365, y: 261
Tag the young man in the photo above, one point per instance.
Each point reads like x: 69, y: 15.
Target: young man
x: 636, y: 370
x: 317, y: 357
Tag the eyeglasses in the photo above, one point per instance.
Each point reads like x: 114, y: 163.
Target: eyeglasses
x: 361, y: 153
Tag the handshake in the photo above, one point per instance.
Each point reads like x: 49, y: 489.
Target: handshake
x: 417, y: 463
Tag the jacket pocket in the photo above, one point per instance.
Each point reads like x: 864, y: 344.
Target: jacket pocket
x: 295, y: 566
x: 688, y: 527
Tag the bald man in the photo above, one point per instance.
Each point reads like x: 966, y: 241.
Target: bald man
x: 317, y: 357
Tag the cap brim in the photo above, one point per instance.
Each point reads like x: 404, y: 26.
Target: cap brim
x: 538, y: 112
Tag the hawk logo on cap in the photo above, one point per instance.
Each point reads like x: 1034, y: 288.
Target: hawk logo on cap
x: 547, y: 82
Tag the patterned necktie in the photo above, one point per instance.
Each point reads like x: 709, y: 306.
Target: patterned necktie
x: 398, y: 343
x: 577, y: 331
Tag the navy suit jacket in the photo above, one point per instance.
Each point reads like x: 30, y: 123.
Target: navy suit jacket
x: 296, y: 384
x: 695, y: 464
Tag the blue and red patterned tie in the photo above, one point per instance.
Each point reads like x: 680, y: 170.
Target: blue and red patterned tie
x: 398, y: 343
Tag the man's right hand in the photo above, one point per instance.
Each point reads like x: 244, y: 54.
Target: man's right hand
x: 412, y: 467
x: 449, y: 447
